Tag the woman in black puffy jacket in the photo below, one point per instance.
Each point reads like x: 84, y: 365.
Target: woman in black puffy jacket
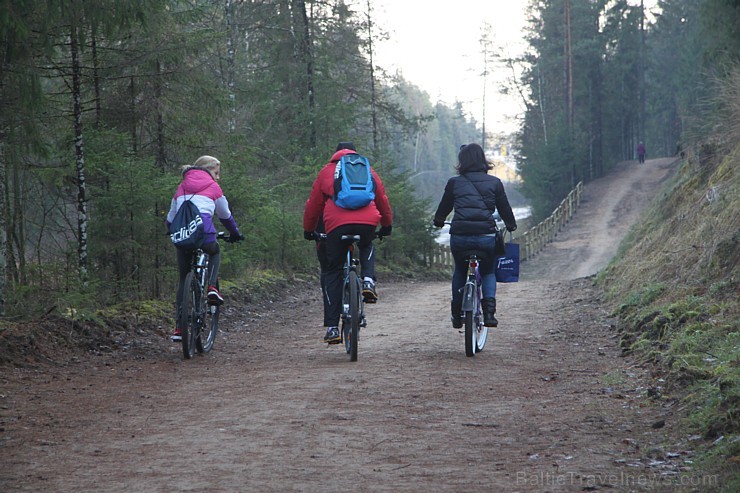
x: 475, y: 196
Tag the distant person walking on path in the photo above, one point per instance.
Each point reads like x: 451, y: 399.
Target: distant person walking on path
x: 641, y: 152
x: 474, y: 195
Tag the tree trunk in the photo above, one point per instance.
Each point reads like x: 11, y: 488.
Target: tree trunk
x: 161, y: 150
x: 641, y: 124
x: 596, y: 130
x: 307, y: 59
x: 373, y: 97
x: 79, y: 158
x: 96, y: 79
x: 568, y: 68
x: 230, y: 63
x: 3, y: 233
x: 19, y: 230
x: 485, y: 43
x: 541, y: 103
x: 132, y: 116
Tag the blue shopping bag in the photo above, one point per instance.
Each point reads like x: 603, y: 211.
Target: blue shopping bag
x: 507, y: 265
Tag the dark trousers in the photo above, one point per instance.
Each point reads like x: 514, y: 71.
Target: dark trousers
x: 336, y: 253
x: 185, y: 262
x: 367, y: 256
x: 487, y: 267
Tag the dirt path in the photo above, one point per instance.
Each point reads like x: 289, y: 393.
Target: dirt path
x: 548, y: 406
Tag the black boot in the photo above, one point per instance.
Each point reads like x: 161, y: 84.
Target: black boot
x: 489, y: 308
x: 456, y: 318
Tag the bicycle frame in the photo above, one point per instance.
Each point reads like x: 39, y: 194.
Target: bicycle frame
x: 472, y: 290
x: 351, y: 262
x: 201, y: 262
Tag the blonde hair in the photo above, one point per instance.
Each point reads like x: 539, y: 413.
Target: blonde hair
x: 208, y: 163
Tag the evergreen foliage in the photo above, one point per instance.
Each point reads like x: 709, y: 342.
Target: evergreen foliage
x: 94, y: 133
x: 635, y: 77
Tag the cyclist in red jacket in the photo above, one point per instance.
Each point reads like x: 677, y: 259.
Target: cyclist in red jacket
x: 337, y: 222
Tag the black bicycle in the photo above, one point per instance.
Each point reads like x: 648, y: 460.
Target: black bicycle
x: 198, y: 319
x: 353, y: 305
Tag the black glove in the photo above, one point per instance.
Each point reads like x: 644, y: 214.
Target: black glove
x: 438, y: 224
x: 385, y: 231
x: 233, y: 238
x: 309, y: 235
x: 511, y: 228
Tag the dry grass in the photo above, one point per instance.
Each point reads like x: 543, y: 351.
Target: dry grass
x: 674, y: 286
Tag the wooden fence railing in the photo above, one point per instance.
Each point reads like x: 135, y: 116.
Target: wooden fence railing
x: 533, y: 241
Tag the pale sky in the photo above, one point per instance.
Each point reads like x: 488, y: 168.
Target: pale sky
x: 436, y: 46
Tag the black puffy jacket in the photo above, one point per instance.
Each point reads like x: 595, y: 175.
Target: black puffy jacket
x: 474, y: 196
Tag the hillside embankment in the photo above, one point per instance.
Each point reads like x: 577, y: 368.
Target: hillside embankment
x: 675, y: 289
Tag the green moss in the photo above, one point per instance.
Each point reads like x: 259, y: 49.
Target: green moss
x: 643, y: 297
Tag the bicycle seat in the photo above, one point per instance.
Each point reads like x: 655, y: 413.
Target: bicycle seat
x: 482, y: 255
x: 350, y: 238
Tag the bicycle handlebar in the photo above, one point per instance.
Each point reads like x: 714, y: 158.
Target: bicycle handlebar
x: 322, y: 236
x: 449, y: 223
x: 228, y: 239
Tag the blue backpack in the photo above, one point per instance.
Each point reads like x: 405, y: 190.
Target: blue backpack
x: 353, y: 182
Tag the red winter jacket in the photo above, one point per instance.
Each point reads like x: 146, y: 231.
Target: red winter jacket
x: 320, y: 202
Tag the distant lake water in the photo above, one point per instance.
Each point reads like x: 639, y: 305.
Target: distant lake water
x: 519, y: 213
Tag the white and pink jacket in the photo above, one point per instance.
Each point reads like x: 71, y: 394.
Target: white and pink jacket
x: 199, y: 186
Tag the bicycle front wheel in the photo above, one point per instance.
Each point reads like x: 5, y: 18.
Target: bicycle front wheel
x: 476, y: 333
x: 352, y: 330
x: 209, y: 329
x: 189, y: 315
x: 481, y: 335
x: 208, y: 325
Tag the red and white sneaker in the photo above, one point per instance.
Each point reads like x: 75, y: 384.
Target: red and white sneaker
x: 176, y: 335
x: 214, y: 296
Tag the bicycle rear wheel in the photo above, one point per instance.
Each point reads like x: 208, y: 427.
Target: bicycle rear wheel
x: 352, y: 329
x: 189, y: 315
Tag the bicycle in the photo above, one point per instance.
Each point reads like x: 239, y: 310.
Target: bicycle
x: 353, y: 305
x: 198, y: 319
x: 476, y: 333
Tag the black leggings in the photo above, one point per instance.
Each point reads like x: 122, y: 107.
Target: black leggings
x: 335, y: 256
x: 185, y: 263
